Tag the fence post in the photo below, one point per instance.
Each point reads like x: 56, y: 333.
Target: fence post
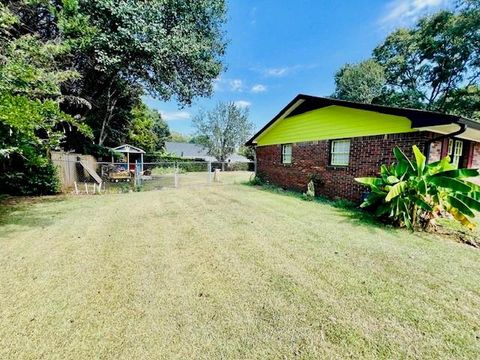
x: 175, y: 174
x: 209, y: 175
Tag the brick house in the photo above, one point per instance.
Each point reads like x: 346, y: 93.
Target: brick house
x: 334, y: 141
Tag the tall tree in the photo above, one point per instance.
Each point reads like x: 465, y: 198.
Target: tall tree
x: 223, y: 129
x: 31, y: 120
x: 361, y: 82
x: 168, y: 48
x: 428, y: 63
x: 435, y: 65
x: 147, y: 130
x: 122, y: 49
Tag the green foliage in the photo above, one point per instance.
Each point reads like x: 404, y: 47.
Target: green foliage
x: 31, y: 180
x: 435, y: 66
x: 31, y: 119
x: 361, y: 82
x: 198, y: 139
x: 223, y: 129
x: 175, y: 136
x: 73, y: 71
x: 147, y: 129
x: 256, y: 180
x: 248, y: 152
x: 413, y: 193
x: 171, y: 48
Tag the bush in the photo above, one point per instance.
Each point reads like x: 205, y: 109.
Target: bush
x: 256, y: 180
x: 414, y: 193
x: 31, y: 180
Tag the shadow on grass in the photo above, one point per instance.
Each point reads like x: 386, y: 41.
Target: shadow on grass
x: 344, y: 208
x: 20, y: 211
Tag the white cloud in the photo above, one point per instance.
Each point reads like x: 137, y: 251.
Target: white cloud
x: 276, y: 72
x: 175, y: 115
x: 217, y: 84
x: 258, y: 88
x: 243, y: 103
x: 406, y: 12
x: 236, y: 85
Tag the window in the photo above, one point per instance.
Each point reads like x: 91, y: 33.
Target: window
x: 455, y: 151
x: 287, y: 154
x: 340, y: 152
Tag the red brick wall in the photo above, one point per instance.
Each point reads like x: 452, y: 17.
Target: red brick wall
x: 312, y: 158
x: 476, y: 156
x: 435, y: 151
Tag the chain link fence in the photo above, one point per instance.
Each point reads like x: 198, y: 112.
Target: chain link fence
x: 79, y: 177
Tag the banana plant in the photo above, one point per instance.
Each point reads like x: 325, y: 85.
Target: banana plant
x: 412, y: 193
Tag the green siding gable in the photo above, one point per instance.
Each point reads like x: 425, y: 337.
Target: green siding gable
x: 332, y: 122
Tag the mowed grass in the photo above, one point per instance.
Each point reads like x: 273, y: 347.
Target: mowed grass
x: 228, y: 272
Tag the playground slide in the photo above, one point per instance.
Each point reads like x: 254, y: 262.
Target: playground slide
x: 92, y: 172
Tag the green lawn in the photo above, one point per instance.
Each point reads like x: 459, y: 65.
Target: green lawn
x: 228, y: 272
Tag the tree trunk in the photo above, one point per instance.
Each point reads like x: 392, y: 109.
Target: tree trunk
x: 111, y: 102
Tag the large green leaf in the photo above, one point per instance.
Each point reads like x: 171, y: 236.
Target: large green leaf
x: 420, y: 159
x: 422, y: 187
x: 471, y: 202
x: 460, y: 206
x: 459, y: 173
x: 423, y: 205
x: 384, y: 170
x: 401, y: 169
x: 392, y: 179
x: 401, y: 157
x: 396, y: 190
x: 372, y: 199
x: 439, y: 166
x: 369, y: 181
x: 450, y: 183
x: 475, y: 194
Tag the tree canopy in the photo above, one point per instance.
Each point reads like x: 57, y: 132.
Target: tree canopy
x: 73, y: 72
x: 223, y: 129
x: 361, y: 82
x: 435, y: 65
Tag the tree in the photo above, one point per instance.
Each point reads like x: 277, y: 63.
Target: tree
x: 31, y: 120
x: 435, y: 65
x: 361, y: 82
x: 168, y: 48
x: 428, y: 63
x: 122, y: 49
x: 147, y: 129
x: 199, y: 139
x: 176, y: 136
x: 224, y: 128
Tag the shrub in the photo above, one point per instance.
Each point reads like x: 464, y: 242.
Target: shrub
x: 256, y: 180
x: 413, y: 193
x: 31, y: 180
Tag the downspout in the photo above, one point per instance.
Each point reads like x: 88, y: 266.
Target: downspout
x: 463, y: 128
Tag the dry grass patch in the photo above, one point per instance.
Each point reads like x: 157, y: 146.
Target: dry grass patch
x: 228, y: 272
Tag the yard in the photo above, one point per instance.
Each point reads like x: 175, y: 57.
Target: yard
x: 227, y: 272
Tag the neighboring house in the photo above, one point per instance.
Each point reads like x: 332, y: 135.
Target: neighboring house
x: 197, y: 152
x: 334, y: 141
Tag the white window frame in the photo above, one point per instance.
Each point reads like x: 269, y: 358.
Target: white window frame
x: 340, y: 157
x: 287, y: 154
x: 457, y: 152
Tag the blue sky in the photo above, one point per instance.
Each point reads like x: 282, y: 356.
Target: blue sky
x: 278, y: 49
